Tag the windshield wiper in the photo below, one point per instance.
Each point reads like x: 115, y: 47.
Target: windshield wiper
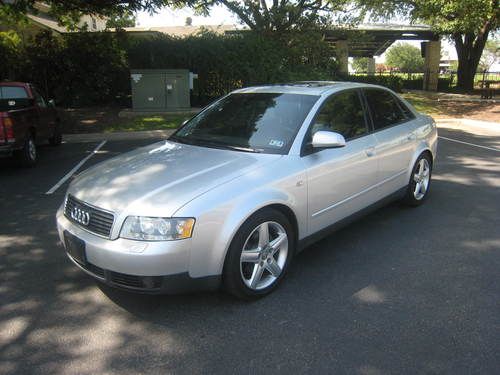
x: 214, y: 144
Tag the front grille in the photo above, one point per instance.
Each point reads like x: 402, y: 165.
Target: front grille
x: 100, y: 221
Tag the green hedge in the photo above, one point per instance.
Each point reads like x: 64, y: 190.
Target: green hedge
x: 393, y: 82
x: 93, y: 68
x: 444, y: 84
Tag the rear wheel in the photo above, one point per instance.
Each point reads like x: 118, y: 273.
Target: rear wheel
x: 259, y: 255
x: 420, y: 180
x: 28, y: 155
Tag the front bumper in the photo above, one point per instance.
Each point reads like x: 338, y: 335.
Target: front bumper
x: 142, y: 266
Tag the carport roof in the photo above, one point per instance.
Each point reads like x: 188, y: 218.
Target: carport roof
x: 368, y: 40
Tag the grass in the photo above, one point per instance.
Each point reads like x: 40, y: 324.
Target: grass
x: 148, y: 122
x: 424, y: 103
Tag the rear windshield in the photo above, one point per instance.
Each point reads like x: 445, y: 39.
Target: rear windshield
x: 13, y: 92
x: 255, y: 122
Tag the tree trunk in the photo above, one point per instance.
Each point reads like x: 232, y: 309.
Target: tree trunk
x: 469, y: 50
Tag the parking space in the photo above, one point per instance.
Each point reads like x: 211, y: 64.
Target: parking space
x: 399, y: 291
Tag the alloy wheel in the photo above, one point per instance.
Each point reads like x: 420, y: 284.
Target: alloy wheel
x: 264, y: 255
x: 421, y: 177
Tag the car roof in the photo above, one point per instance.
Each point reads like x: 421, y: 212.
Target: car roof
x: 304, y: 87
x: 13, y: 83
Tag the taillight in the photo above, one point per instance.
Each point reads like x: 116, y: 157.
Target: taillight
x: 9, y: 129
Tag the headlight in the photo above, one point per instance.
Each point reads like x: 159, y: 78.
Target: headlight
x: 156, y: 228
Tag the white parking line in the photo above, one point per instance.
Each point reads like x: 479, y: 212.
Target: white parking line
x: 470, y: 144
x: 72, y: 172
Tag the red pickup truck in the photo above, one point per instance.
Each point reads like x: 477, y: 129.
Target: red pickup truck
x: 26, y: 119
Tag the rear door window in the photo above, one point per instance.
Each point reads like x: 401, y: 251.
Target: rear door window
x: 385, y: 109
x: 13, y: 92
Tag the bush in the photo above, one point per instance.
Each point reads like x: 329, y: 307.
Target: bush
x: 93, y: 68
x: 391, y: 81
x: 444, y: 84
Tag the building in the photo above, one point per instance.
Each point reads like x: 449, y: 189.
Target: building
x: 42, y: 19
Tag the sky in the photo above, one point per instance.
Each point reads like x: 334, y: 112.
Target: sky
x: 219, y: 15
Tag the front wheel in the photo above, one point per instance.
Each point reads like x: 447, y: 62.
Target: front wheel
x: 259, y: 255
x: 28, y: 155
x: 420, y: 180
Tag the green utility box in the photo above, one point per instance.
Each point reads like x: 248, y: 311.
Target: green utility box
x: 161, y: 89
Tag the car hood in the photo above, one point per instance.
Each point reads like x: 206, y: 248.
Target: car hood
x: 158, y: 179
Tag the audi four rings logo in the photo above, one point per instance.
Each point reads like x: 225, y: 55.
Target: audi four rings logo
x: 81, y: 216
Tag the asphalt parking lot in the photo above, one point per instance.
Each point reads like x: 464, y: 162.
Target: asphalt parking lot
x: 401, y: 291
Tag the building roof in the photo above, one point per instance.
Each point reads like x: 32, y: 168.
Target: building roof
x: 180, y: 31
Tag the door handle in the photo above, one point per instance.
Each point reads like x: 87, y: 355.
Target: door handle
x: 370, y: 152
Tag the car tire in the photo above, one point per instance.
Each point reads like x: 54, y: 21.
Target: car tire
x: 420, y: 181
x: 28, y: 155
x: 56, y: 138
x: 250, y: 254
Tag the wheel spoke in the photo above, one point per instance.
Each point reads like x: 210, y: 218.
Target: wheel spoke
x: 250, y: 256
x: 421, y: 167
x: 417, y: 189
x: 423, y: 188
x: 256, y: 275
x: 277, y: 242
x: 416, y: 177
x: 263, y: 235
x: 273, y: 267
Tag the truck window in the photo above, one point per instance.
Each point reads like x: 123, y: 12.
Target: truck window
x: 39, y: 100
x: 13, y: 92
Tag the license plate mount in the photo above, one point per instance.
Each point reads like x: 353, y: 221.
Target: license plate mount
x: 75, y: 247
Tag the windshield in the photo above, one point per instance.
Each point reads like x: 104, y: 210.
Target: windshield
x: 253, y: 122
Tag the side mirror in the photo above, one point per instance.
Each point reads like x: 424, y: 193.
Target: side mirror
x: 51, y: 103
x: 327, y: 139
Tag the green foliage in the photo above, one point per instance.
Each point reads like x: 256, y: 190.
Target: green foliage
x: 121, y: 20
x: 226, y: 62
x: 467, y: 22
x: 360, y: 64
x: 405, y: 57
x: 391, y: 81
x: 93, y: 68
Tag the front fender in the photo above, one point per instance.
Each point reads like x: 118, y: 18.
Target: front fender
x: 221, y: 212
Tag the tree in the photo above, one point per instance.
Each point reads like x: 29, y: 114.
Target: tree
x: 468, y: 23
x: 405, y: 57
x: 491, y: 54
x: 258, y: 15
x: 360, y: 64
x: 278, y: 16
x: 121, y: 20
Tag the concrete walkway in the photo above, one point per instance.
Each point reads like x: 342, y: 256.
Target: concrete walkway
x: 116, y: 136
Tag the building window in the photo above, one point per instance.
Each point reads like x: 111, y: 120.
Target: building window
x: 94, y: 24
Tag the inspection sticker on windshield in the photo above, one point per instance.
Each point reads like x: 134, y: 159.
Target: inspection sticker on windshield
x: 276, y: 143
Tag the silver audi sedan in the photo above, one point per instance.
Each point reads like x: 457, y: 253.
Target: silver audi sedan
x: 239, y: 189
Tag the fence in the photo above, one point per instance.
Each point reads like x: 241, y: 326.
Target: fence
x: 447, y: 79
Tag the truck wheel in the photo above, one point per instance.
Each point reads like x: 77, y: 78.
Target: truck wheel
x: 28, y: 155
x: 56, y: 138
